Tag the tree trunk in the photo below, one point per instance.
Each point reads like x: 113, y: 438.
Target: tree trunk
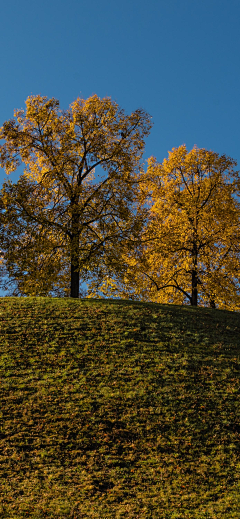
x: 194, y: 299
x: 74, y: 291
x: 74, y: 282
x: 212, y: 304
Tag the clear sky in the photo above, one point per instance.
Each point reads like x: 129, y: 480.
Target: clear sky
x: 177, y: 59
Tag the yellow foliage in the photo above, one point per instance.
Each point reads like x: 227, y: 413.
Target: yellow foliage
x: 188, y: 249
x: 58, y: 207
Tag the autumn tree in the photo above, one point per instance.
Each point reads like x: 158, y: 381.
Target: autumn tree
x: 188, y: 250
x: 59, y: 218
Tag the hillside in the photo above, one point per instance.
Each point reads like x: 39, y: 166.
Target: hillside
x: 118, y: 409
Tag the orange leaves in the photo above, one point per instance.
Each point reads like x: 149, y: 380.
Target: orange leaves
x: 69, y: 218
x: 188, y: 246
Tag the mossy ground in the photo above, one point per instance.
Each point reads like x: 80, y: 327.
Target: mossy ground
x: 118, y: 409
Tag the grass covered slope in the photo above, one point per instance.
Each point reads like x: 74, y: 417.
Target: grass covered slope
x: 116, y: 409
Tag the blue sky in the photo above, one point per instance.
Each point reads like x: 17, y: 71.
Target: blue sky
x: 177, y: 59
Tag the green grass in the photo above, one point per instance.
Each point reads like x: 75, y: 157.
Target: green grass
x: 118, y: 409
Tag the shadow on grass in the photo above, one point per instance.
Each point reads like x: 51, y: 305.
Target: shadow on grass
x: 115, y: 409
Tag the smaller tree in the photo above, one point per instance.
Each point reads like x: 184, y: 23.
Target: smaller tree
x: 188, y: 250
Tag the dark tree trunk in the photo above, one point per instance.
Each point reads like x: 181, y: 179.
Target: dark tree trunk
x: 74, y: 282
x: 194, y: 299
x: 212, y: 304
x: 74, y: 291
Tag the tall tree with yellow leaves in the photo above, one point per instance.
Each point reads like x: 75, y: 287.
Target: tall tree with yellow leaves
x: 59, y: 213
x: 189, y: 249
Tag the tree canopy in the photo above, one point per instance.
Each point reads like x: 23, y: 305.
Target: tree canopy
x: 188, y: 250
x: 84, y: 210
x: 59, y: 218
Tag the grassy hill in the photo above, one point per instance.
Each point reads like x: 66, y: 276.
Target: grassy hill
x: 118, y: 409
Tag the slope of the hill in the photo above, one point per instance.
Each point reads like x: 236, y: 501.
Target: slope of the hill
x: 116, y: 409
